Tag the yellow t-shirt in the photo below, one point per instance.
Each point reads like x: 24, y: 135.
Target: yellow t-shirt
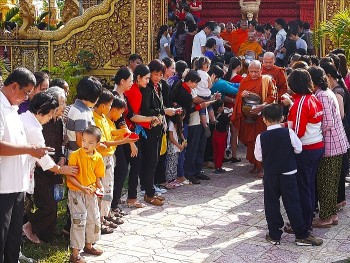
x: 117, y: 134
x: 90, y: 167
x: 102, y: 122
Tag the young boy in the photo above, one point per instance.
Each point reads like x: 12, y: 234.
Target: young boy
x: 220, y: 135
x: 211, y: 48
x: 276, y: 148
x: 82, y: 201
x: 101, y: 109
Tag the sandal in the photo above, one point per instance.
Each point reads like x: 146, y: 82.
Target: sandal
x: 319, y: 223
x: 77, y: 259
x: 134, y: 204
x: 166, y: 186
x: 115, y: 220
x: 154, y: 200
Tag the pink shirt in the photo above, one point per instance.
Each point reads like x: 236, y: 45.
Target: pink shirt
x: 335, y: 141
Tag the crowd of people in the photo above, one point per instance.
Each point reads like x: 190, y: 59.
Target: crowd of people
x: 164, y: 121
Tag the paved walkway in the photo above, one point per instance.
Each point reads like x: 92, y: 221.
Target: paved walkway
x: 221, y: 220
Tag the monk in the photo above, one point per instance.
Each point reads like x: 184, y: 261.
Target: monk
x: 277, y: 73
x: 247, y: 132
x: 227, y: 35
x: 239, y: 36
x: 250, y: 45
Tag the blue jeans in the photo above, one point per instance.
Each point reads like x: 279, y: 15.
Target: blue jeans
x: 194, y: 157
x: 308, y: 162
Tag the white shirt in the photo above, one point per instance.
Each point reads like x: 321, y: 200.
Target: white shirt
x: 296, y: 143
x: 33, y: 130
x: 163, y: 43
x: 280, y: 38
x: 300, y: 43
x: 176, y: 138
x: 202, y: 88
x: 199, y: 41
x: 194, y: 116
x: 14, y: 170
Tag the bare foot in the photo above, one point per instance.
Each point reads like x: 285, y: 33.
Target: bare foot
x: 27, y: 230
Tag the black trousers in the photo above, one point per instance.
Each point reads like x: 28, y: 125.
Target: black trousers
x: 121, y: 169
x: 343, y: 174
x: 150, y: 148
x: 275, y: 186
x: 44, y: 218
x: 11, y: 222
x: 159, y: 177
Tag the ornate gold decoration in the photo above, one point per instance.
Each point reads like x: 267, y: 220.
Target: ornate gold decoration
x: 249, y: 9
x: 70, y: 10
x: 27, y: 12
x: 141, y: 29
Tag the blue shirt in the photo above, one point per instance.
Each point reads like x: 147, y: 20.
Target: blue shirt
x: 224, y: 87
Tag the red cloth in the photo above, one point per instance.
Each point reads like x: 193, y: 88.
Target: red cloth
x: 238, y: 37
x: 219, y: 146
x: 279, y: 75
x: 196, y: 13
x: 134, y: 97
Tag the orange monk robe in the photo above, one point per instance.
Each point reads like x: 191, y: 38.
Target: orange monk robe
x: 247, y: 132
x: 228, y: 36
x: 279, y: 75
x: 239, y: 36
x: 250, y: 45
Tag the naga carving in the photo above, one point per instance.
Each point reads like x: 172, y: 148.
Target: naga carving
x: 70, y: 10
x: 27, y: 12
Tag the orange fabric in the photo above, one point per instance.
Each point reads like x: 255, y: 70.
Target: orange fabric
x: 248, y: 132
x: 253, y: 46
x: 238, y: 37
x: 228, y: 37
x: 279, y: 75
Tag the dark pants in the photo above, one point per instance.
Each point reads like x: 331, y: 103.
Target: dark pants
x: 194, y: 157
x: 343, y: 174
x: 44, y: 218
x: 150, y: 148
x: 219, y: 146
x: 181, y: 161
x: 121, y: 169
x: 209, y: 151
x: 275, y: 186
x: 308, y: 162
x: 11, y: 221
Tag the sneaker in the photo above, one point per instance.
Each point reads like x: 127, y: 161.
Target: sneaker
x: 272, y: 241
x: 347, y: 179
x: 202, y: 176
x: 309, y: 241
x: 219, y: 171
x: 159, y: 190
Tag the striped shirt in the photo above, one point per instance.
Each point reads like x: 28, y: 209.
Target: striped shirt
x: 79, y: 117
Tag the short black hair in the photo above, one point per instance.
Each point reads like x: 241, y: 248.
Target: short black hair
x: 281, y: 22
x: 217, y: 59
x: 123, y: 73
x: 133, y: 57
x: 306, y: 58
x: 211, y: 25
x: 228, y: 56
x: 315, y: 60
x: 219, y: 73
x: 306, y: 25
x: 168, y: 62
x: 211, y: 42
x: 58, y: 83
x: 89, y: 89
x: 156, y: 66
x: 299, y: 81
x: 272, y: 112
x: 193, y: 76
x: 180, y: 67
x: 42, y: 103
x: 217, y: 104
x: 118, y: 103
x: 192, y: 27
x: 22, y: 76
x: 93, y: 130
x: 105, y: 97
x: 40, y: 77
x: 318, y: 77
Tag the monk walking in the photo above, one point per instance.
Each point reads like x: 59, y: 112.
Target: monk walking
x: 262, y: 86
x: 277, y: 73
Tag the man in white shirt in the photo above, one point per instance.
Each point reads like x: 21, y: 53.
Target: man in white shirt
x: 200, y: 39
x: 280, y: 24
x: 14, y: 165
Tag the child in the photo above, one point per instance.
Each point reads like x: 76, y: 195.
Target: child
x: 176, y: 144
x: 211, y: 48
x: 203, y: 91
x: 220, y: 135
x: 82, y: 201
x: 101, y: 109
x: 280, y: 169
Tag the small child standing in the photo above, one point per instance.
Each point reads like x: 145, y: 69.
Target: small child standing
x: 82, y: 201
x: 280, y: 170
x: 211, y: 48
x: 220, y: 135
x: 176, y: 144
x: 203, y: 91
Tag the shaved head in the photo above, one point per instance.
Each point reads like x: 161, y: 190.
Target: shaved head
x: 255, y: 64
x: 269, y: 55
x: 268, y: 60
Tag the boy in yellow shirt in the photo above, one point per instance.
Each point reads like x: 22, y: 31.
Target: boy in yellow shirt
x: 101, y: 109
x: 82, y: 201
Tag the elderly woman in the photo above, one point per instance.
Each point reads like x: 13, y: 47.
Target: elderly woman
x: 43, y: 126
